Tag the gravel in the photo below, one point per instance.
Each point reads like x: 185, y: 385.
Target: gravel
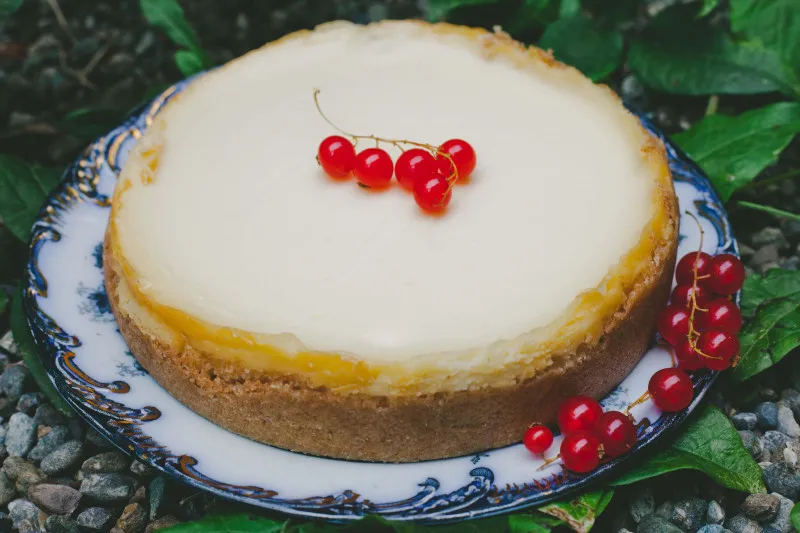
x: 761, y: 507
x: 62, y: 458
x: 55, y: 499
x: 781, y: 478
x: 767, y: 415
x: 133, y: 519
x: 95, y: 519
x: 61, y: 524
x: 715, y: 514
x: 786, y: 422
x: 782, y: 521
x: 21, y: 435
x: 745, y: 421
x: 108, y: 488
x: 49, y: 442
x: 108, y: 462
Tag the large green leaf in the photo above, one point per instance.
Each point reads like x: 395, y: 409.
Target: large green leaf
x: 580, y: 513
x: 596, y: 53
x: 679, y: 53
x: 773, y: 23
x: 709, y: 444
x: 796, y: 516
x: 23, y: 189
x: 188, y: 62
x: 440, y: 9
x: 773, y: 303
x: 9, y: 6
x: 168, y: 15
x: 734, y: 150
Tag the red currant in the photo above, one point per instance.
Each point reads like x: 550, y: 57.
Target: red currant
x: 373, y: 168
x: 671, y: 389
x: 580, y: 452
x: 579, y: 413
x: 616, y: 433
x: 722, y: 315
x: 538, y: 439
x: 673, y: 323
x: 462, y: 155
x: 684, y: 272
x: 727, y: 274
x: 682, y: 296
x: 719, y: 347
x: 414, y: 165
x: 433, y: 194
x: 687, y: 356
x: 336, y: 156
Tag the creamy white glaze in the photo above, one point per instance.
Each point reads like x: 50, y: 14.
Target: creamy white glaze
x: 241, y: 228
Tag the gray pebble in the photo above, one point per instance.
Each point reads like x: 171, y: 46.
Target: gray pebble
x: 761, y: 507
x: 21, y: 435
x: 656, y: 524
x: 169, y: 521
x: 623, y: 530
x: 21, y: 509
x: 792, y: 399
x: 713, y: 528
x: 156, y: 495
x: 689, y: 514
x: 783, y: 479
x: 105, y: 462
x: 24, y: 474
x: 790, y: 456
x: 3, y: 433
x: 26, y: 526
x: 49, y: 442
x: 642, y: 504
x: 141, y: 469
x: 665, y: 510
x: 12, y: 382
x: 770, y: 235
x: 786, y: 422
x: 770, y: 529
x: 744, y: 420
x: 752, y: 444
x: 715, y: 514
x: 29, y: 401
x: 7, y: 489
x: 61, y: 524
x: 111, y: 488
x: 55, y: 499
x: 774, y: 442
x: 62, y: 458
x: 741, y: 524
x: 47, y: 415
x: 767, y: 415
x: 133, y: 519
x: 783, y: 521
x: 97, y: 440
x: 95, y: 519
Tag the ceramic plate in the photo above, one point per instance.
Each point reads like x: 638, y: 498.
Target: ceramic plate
x: 89, y: 363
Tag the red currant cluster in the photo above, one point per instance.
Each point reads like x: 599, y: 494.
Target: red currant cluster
x: 701, y: 321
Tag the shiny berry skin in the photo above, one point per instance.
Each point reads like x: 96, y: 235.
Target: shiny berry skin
x: 462, y: 154
x: 684, y: 272
x: 682, y: 294
x: 688, y: 358
x: 433, y: 194
x: 538, y: 439
x: 580, y: 452
x: 578, y: 413
x: 336, y: 156
x: 722, y: 315
x: 726, y: 274
x: 720, y: 347
x: 671, y: 389
x: 673, y: 323
x: 373, y: 168
x: 616, y: 433
x: 414, y: 165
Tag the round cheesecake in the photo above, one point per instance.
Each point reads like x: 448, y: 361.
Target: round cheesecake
x: 322, y: 317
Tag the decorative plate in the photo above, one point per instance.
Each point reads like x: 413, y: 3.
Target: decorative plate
x: 89, y: 363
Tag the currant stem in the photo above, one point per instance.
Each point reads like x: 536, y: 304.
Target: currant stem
x: 693, y: 333
x: 641, y: 399
x: 548, y: 462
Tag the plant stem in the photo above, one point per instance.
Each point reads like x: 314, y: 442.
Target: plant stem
x: 713, y: 104
x: 771, y: 210
x: 774, y: 179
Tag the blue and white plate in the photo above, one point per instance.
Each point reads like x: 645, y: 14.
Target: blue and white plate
x: 88, y: 361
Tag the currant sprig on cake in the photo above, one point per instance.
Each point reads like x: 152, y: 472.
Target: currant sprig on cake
x: 428, y: 171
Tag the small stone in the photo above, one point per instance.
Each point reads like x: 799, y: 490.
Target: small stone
x: 133, y: 519
x: 21, y: 509
x: 774, y: 442
x: 741, y: 524
x: 47, y: 415
x: 169, y: 521
x: 26, y: 526
x: 656, y: 524
x: 29, y: 401
x: 7, y: 343
x: 783, y: 520
x: 770, y: 235
x: 752, y: 444
x: 47, y: 444
x: 21, y: 435
x: 156, y: 495
x: 761, y: 507
x: 770, y: 529
x: 744, y: 421
x: 665, y: 510
x: 141, y: 469
x: 715, y: 514
x: 767, y: 415
x: 146, y: 42
x: 790, y: 456
x: 713, y: 528
x: 783, y: 479
x: 97, y: 440
x: 111, y: 488
x: 105, y: 463
x: 7, y: 489
x: 642, y: 504
x: 631, y: 88
x: 62, y: 458
x: 55, y: 499
x: 765, y: 258
x: 23, y: 473
x: 689, y: 514
x: 61, y: 524
x: 95, y: 519
x: 768, y: 394
x: 12, y: 382
x: 786, y: 422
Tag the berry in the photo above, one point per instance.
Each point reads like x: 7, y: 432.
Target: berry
x: 616, y: 433
x: 684, y: 272
x: 682, y: 296
x: 414, y: 165
x: 719, y: 348
x: 336, y: 156
x: 687, y: 356
x: 671, y: 389
x: 722, y: 315
x: 433, y: 194
x: 538, y: 439
x: 373, y: 168
x: 463, y: 156
x: 580, y: 452
x: 673, y: 323
x: 726, y: 274
x: 579, y: 413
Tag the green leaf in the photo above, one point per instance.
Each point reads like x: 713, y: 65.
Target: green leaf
x: 168, y: 15
x: 795, y: 515
x: 27, y: 348
x: 23, y: 189
x: 615, y: 13
x: 531, y: 523
x: 597, y: 53
x: 734, y: 150
x: 775, y: 24
x: 580, y: 513
x: 709, y: 444
x: 708, y: 7
x: 7, y: 7
x: 773, y: 303
x: 188, y: 62
x: 569, y: 9
x: 681, y: 54
x: 91, y: 122
x: 771, y: 210
x: 441, y: 9
x: 531, y: 15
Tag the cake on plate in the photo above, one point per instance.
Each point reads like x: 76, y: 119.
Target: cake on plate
x: 321, y: 317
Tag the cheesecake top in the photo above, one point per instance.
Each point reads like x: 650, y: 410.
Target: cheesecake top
x: 222, y: 213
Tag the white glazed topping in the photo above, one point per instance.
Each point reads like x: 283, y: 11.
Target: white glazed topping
x: 241, y: 228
